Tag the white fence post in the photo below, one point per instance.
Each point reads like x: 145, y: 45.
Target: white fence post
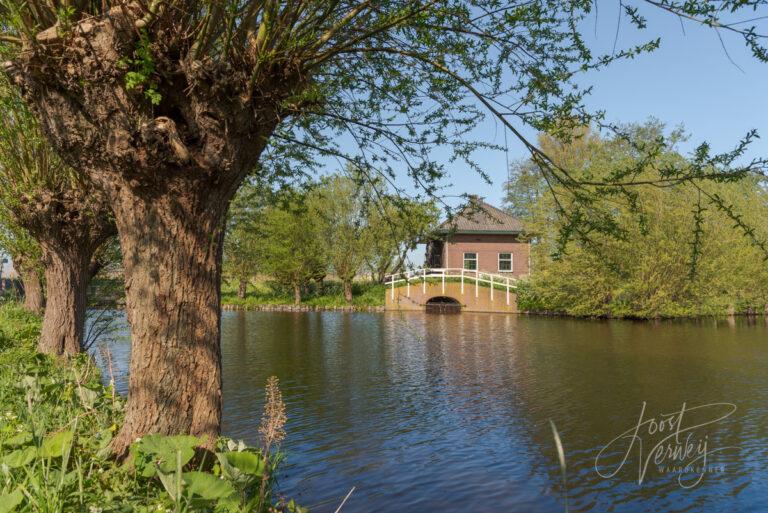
x: 408, y: 286
x: 443, y: 281
x: 462, y: 281
x: 477, y: 281
x: 491, y: 287
x: 392, y: 294
x: 507, y: 290
x: 424, y: 280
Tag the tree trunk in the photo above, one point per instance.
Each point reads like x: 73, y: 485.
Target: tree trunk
x: 296, y: 294
x: 347, y: 290
x: 242, y: 289
x: 172, y: 260
x: 66, y: 276
x: 33, y: 287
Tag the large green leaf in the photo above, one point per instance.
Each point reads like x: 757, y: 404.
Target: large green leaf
x: 246, y: 462
x: 9, y: 502
x: 165, y: 449
x: 206, y: 486
x: 170, y: 484
x: 20, y: 457
x: 55, y: 445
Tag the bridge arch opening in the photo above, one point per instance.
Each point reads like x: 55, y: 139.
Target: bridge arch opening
x: 443, y: 305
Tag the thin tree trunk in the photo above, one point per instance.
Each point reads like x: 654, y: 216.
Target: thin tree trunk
x: 33, y: 287
x: 67, y: 277
x: 348, y: 291
x: 296, y: 294
x: 242, y: 289
x: 172, y: 260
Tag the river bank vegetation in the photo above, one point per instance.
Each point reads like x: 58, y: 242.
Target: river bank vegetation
x: 265, y: 292
x: 677, y: 250
x: 57, y: 420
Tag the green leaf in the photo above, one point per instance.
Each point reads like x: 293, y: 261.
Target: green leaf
x: 17, y: 440
x: 164, y: 449
x: 54, y: 445
x: 295, y: 508
x: 169, y: 483
x: 206, y: 486
x: 9, y: 502
x: 246, y: 462
x: 20, y: 457
x: 88, y: 397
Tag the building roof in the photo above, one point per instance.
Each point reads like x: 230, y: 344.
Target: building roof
x: 477, y: 216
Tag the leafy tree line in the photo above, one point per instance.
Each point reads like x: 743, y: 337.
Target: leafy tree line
x: 673, y: 252
x: 340, y: 226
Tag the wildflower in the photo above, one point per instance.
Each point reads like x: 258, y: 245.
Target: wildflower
x: 94, y: 509
x: 4, y: 468
x: 272, y: 428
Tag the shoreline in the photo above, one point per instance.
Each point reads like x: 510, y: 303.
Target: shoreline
x: 300, y: 308
x: 232, y: 307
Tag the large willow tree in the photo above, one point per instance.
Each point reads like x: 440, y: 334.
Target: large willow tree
x: 168, y: 104
x: 27, y: 260
x: 65, y: 215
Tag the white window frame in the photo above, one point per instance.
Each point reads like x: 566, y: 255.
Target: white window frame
x: 511, y: 262
x: 464, y: 261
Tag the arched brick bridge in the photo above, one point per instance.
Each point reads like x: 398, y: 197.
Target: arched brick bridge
x: 475, y: 291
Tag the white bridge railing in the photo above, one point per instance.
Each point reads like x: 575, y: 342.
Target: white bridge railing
x: 467, y: 277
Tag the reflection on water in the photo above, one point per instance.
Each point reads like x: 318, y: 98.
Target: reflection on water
x: 451, y: 413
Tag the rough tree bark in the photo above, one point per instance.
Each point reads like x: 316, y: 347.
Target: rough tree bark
x: 33, y: 285
x: 347, y: 290
x: 70, y: 225
x: 170, y: 171
x: 64, y: 319
x: 175, y: 371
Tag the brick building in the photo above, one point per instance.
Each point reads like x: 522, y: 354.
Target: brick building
x: 481, y: 237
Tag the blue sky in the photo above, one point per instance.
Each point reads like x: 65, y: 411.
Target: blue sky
x: 689, y: 80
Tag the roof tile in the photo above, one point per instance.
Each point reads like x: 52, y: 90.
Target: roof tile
x: 478, y: 216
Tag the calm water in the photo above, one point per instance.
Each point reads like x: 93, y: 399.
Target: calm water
x: 451, y: 413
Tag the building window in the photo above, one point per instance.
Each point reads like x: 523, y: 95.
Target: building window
x: 470, y: 261
x: 505, y: 262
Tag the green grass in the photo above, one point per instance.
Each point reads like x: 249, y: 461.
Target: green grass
x: 265, y: 293
x: 56, y: 423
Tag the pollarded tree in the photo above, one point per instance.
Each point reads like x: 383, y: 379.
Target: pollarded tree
x: 27, y: 260
x: 168, y: 104
x: 66, y: 216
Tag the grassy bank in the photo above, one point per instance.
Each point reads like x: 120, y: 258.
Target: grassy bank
x: 264, y: 293
x: 56, y: 423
